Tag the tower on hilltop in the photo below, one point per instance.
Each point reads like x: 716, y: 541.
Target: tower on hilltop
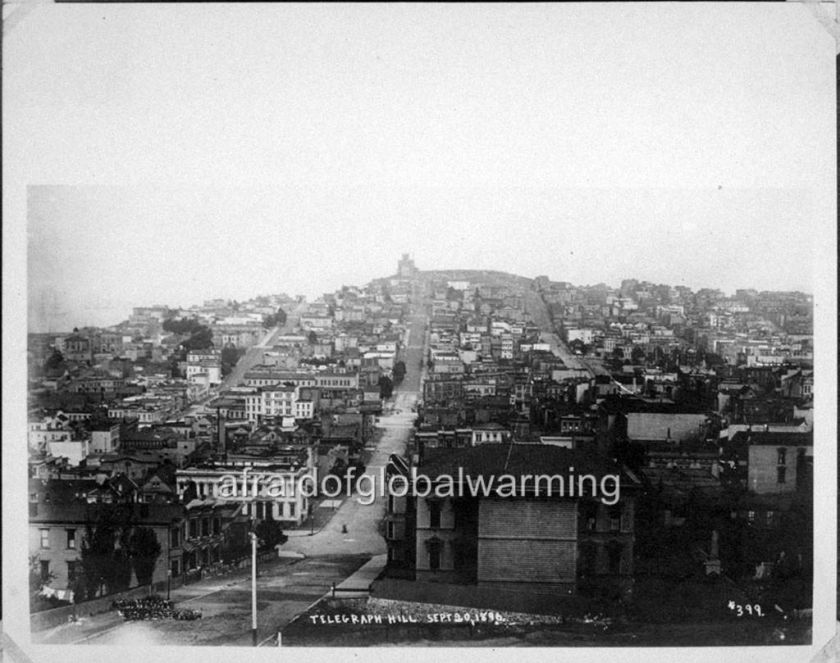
x: 406, y: 268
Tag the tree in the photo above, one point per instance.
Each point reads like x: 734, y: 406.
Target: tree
x: 386, y: 387
x: 230, y: 355
x: 97, y: 552
x: 399, y: 371
x: 575, y: 345
x: 54, y: 361
x: 313, y: 337
x: 144, y: 549
x: 275, y: 319
x: 637, y: 355
x: 181, y: 325
x: 174, y: 371
x: 270, y: 534
x: 120, y: 579
x: 201, y: 339
x: 103, y: 563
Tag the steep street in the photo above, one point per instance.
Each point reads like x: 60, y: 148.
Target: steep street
x: 536, y: 307
x: 252, y: 357
x: 254, y: 354
x: 362, y: 520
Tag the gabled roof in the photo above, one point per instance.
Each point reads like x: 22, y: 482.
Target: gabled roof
x: 790, y: 439
x: 518, y: 459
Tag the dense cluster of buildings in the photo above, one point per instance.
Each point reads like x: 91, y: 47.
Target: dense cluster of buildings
x: 700, y: 403
x: 749, y: 328
x: 682, y: 421
x: 147, y: 414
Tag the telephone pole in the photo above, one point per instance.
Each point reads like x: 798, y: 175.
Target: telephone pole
x: 254, y: 577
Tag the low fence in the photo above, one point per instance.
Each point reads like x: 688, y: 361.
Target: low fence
x: 45, y: 619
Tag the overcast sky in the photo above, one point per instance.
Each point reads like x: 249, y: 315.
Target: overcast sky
x: 241, y: 150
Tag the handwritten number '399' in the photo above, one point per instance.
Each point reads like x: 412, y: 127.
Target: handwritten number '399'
x: 748, y: 609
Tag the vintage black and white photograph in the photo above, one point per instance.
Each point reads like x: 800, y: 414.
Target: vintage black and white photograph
x: 476, y: 326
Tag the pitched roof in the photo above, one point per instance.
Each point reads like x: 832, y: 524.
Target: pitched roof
x: 775, y: 438
x: 517, y: 459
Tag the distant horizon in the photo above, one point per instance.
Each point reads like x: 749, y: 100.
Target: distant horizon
x: 128, y: 306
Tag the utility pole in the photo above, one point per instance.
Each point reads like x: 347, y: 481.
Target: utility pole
x: 172, y: 525
x: 254, y: 577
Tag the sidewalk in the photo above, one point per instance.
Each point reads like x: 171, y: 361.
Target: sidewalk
x: 358, y: 584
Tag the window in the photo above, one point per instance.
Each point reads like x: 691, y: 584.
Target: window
x: 615, y: 518
x: 434, y: 515
x: 45, y: 570
x: 72, y: 570
x: 217, y: 525
x: 390, y: 530
x: 45, y: 538
x: 292, y: 509
x: 193, y: 528
x: 71, y: 539
x: 626, y: 520
x: 175, y: 537
x: 589, y: 515
x: 780, y: 474
x: 781, y: 456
